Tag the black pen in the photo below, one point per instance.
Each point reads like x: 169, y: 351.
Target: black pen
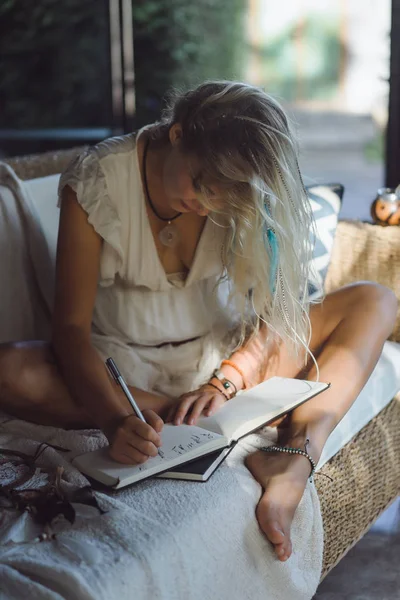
x: 115, y: 372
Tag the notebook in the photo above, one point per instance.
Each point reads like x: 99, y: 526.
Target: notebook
x: 199, y: 469
x: 181, y: 444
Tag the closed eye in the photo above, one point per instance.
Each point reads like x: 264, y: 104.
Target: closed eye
x: 196, y: 186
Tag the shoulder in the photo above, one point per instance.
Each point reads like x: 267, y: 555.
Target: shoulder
x: 100, y: 163
x: 92, y: 172
x: 109, y: 168
x: 114, y: 147
x: 120, y: 147
x: 113, y: 151
x: 118, y: 158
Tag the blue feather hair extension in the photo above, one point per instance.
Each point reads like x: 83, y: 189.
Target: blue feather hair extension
x: 274, y: 254
x: 273, y: 246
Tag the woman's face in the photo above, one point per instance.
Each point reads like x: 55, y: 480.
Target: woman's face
x: 179, y: 178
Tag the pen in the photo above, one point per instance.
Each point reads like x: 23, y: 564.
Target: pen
x: 115, y: 372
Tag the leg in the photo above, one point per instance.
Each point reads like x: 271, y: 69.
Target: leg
x: 32, y: 388
x: 348, y: 332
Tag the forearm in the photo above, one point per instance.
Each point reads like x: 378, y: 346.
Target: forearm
x: 86, y: 377
x: 251, y: 359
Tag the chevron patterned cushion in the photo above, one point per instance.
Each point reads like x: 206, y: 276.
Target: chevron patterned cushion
x: 326, y: 200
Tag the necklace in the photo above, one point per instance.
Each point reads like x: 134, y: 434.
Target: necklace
x: 169, y: 235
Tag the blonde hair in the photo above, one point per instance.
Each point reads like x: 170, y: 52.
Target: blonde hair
x: 245, y: 146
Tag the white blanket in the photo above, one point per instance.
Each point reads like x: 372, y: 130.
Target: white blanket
x: 160, y: 539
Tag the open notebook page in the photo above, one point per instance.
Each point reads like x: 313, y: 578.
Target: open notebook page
x: 265, y: 402
x: 179, y: 444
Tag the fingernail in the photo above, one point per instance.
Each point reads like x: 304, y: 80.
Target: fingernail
x: 281, y: 552
x: 178, y: 421
x: 209, y: 412
x: 191, y: 421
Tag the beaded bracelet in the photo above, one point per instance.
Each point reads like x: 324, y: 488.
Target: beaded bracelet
x: 230, y: 363
x: 293, y: 451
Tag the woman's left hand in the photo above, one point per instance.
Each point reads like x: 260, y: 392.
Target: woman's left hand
x: 206, y: 400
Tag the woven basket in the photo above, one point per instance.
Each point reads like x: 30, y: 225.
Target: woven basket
x: 366, y: 472
x: 366, y: 479
x: 366, y: 252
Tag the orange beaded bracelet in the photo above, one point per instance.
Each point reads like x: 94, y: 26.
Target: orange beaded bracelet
x: 230, y: 363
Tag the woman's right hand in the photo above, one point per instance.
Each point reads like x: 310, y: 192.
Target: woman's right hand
x: 132, y: 441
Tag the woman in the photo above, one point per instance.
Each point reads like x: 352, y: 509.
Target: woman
x: 184, y: 249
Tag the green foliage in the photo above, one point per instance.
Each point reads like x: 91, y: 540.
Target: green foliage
x: 374, y: 151
x: 315, y: 74
x: 54, y: 66
x: 179, y: 43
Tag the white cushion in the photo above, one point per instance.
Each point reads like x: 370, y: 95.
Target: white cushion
x: 26, y: 272
x: 17, y: 310
x: 379, y: 390
x: 43, y: 194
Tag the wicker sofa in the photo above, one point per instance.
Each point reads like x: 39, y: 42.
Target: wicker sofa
x: 366, y: 472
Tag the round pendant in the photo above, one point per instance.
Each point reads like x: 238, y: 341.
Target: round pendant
x: 169, y: 236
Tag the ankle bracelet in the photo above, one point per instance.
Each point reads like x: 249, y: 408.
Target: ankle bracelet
x: 293, y: 451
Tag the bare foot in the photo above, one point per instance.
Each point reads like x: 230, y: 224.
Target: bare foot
x: 283, y: 478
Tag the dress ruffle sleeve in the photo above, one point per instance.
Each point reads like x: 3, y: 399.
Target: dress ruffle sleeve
x: 86, y: 177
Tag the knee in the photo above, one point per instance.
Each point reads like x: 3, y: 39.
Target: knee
x: 377, y: 298
x: 14, y: 375
x: 378, y: 294
x: 19, y: 378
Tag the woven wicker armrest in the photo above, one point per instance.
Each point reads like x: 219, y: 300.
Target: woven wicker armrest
x: 366, y: 479
x: 361, y: 252
x: 366, y: 472
x: 40, y: 165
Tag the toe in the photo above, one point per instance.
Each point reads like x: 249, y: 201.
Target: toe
x: 273, y: 527
x: 284, y: 551
x: 280, y: 551
x: 272, y: 530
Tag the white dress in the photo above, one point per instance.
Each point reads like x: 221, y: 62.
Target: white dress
x: 141, y: 313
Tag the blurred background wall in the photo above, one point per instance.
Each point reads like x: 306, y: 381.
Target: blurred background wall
x: 74, y: 72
